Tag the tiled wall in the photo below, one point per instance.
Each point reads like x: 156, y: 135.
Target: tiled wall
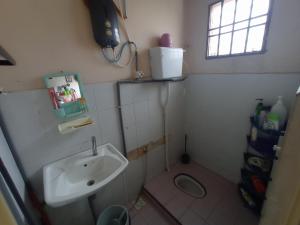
x: 218, y: 109
x: 33, y: 129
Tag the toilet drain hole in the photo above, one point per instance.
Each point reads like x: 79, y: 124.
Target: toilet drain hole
x: 189, y: 185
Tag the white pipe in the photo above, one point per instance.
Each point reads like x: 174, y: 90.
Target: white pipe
x: 165, y: 115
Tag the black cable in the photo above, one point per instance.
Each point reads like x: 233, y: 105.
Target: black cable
x: 117, y: 57
x: 121, y: 119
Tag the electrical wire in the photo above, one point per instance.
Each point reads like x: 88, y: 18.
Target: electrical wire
x: 115, y: 58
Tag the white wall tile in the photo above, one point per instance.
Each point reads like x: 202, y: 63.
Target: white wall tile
x: 131, y: 137
x: 153, y: 92
x: 110, y: 127
x: 135, y: 173
x: 212, y: 105
x: 131, y: 93
x: 105, y: 95
x: 155, y: 162
x: 143, y: 132
x: 175, y: 118
x: 141, y: 111
x: 154, y: 109
x: 140, y: 92
x: 33, y: 128
x: 155, y: 119
x: 217, y: 114
x: 89, y: 94
x: 126, y: 94
x: 128, y: 114
x: 155, y: 128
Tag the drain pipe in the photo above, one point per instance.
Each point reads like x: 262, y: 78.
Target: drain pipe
x: 165, y: 118
x: 91, y: 199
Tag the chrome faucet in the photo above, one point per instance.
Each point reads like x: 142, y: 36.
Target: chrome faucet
x: 94, y: 146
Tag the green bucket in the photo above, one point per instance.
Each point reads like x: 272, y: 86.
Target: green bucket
x: 114, y: 215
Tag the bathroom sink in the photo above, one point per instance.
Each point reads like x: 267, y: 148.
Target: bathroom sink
x: 81, y: 175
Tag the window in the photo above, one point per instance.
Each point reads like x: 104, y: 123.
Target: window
x: 237, y: 27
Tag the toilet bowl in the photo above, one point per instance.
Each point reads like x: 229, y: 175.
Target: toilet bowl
x: 189, y: 185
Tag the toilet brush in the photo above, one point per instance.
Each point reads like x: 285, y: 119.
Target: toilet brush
x: 185, y: 158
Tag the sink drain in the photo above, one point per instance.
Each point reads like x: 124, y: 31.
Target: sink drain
x: 90, y: 182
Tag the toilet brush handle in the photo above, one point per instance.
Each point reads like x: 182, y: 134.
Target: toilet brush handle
x: 185, y: 142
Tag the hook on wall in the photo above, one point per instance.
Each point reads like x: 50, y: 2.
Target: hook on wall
x: 2, y: 92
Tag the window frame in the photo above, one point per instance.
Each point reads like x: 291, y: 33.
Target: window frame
x: 230, y: 55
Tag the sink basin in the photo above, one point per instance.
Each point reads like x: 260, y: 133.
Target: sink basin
x: 81, y: 175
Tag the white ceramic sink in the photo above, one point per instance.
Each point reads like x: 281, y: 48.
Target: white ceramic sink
x: 81, y: 175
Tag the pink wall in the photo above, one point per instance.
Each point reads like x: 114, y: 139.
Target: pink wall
x: 49, y: 36
x: 283, y: 49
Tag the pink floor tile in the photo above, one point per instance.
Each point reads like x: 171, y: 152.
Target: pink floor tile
x: 216, y: 188
x: 148, y: 215
x: 231, y: 210
x: 190, y: 218
x: 221, y: 206
x: 222, y: 215
x: 245, y: 217
x: 133, y: 212
x: 138, y: 220
x: 153, y: 216
x: 179, y: 204
x: 162, y: 188
x: 204, y: 207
